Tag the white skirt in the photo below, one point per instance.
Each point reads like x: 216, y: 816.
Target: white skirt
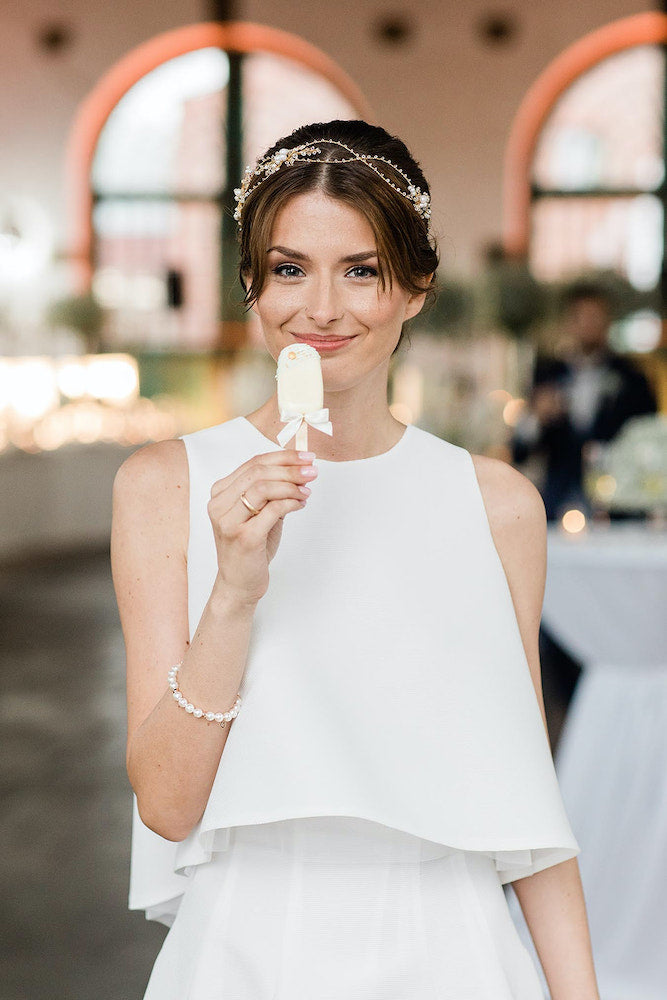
x: 340, y: 908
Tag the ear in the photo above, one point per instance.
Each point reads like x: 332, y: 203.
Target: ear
x: 244, y: 285
x: 416, y: 301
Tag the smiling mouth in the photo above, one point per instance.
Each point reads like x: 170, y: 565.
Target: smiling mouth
x: 319, y: 338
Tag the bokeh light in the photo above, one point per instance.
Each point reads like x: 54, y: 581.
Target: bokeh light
x: 573, y: 521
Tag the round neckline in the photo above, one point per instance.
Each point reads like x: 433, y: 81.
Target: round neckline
x: 329, y: 461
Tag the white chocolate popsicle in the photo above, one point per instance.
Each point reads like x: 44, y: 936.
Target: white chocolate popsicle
x: 299, y: 375
x: 300, y: 389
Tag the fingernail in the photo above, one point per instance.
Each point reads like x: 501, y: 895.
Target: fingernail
x: 308, y: 470
x: 304, y: 489
x: 306, y: 456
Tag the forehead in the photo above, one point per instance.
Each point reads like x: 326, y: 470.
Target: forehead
x: 314, y: 221
x: 587, y: 303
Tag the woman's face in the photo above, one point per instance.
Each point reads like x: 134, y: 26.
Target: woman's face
x: 323, y: 288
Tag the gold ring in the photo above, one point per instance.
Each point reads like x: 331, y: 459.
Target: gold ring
x: 244, y: 499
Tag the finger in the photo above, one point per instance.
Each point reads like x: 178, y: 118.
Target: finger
x: 227, y: 498
x: 258, y: 495
x: 259, y: 526
x: 275, y: 460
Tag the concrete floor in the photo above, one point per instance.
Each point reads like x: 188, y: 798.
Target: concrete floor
x: 66, y: 802
x: 66, y: 932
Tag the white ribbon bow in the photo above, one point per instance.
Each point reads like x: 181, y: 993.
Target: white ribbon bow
x: 319, y: 419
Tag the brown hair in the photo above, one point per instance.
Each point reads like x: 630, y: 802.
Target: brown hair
x: 406, y: 250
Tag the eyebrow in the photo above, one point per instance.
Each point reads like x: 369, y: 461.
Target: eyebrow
x: 354, y: 258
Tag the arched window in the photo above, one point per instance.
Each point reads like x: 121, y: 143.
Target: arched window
x: 585, y: 164
x: 155, y: 154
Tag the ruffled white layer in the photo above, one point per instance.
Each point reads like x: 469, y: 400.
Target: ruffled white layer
x: 161, y: 869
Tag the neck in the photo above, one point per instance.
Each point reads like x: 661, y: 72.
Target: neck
x: 362, y: 422
x: 590, y: 354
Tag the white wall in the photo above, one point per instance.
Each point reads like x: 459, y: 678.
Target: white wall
x: 40, y: 91
x: 451, y: 97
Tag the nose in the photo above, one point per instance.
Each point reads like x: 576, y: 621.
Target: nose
x: 323, y: 302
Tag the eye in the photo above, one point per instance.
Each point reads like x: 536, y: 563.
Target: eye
x: 363, y: 271
x: 288, y: 271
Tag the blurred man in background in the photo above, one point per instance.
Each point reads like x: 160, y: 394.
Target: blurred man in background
x: 586, y: 396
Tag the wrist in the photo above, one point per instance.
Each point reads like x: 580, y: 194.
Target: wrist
x: 227, y: 600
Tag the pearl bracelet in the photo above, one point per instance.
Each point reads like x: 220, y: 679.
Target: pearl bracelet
x: 222, y: 717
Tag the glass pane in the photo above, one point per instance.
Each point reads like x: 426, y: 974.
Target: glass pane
x: 571, y: 235
x: 157, y: 272
x: 167, y: 133
x: 158, y: 168
x: 606, y: 129
x: 279, y: 96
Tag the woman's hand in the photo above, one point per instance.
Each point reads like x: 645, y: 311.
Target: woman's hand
x: 275, y: 484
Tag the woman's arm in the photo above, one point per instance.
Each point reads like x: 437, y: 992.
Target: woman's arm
x: 552, y: 900
x: 172, y: 758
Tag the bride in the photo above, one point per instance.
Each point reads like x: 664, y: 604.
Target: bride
x: 336, y: 733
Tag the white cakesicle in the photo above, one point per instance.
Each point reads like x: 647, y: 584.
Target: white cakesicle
x: 300, y: 388
x: 301, y: 393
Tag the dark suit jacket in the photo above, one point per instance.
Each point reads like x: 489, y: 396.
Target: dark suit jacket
x: 626, y: 394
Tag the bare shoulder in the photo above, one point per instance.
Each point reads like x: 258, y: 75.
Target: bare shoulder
x: 518, y: 523
x: 151, y: 492
x: 513, y: 504
x: 163, y: 464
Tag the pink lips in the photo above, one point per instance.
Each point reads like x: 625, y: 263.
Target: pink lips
x: 323, y: 343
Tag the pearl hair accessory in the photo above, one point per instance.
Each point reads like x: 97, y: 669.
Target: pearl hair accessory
x: 222, y: 717
x: 267, y: 165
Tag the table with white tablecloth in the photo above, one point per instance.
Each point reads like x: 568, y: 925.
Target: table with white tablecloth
x: 606, y: 604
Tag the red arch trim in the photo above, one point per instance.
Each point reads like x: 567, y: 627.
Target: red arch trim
x: 237, y: 36
x: 640, y: 29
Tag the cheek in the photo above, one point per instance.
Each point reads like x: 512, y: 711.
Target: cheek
x: 382, y: 311
x: 275, y: 305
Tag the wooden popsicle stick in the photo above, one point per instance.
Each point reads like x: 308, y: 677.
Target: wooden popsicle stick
x: 302, y: 437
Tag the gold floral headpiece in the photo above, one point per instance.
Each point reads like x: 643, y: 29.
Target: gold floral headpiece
x: 308, y: 151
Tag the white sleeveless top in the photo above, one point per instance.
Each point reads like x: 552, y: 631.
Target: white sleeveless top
x: 386, y: 678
